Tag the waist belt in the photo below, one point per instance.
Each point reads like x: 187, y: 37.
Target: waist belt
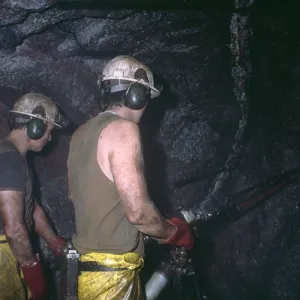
x: 92, y: 266
x: 4, y: 242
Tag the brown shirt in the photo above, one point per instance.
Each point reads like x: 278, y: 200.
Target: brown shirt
x: 102, y: 225
x: 16, y: 176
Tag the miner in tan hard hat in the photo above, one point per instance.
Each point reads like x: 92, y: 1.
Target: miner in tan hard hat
x: 32, y: 120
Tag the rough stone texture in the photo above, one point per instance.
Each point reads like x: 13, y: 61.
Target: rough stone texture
x: 227, y: 119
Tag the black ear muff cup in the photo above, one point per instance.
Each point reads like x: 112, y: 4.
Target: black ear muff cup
x: 136, y: 96
x: 36, y: 128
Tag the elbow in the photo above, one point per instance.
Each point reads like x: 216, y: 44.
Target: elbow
x: 135, y: 217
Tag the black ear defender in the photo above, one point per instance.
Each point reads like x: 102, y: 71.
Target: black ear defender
x: 104, y: 88
x: 35, y: 127
x: 136, y: 96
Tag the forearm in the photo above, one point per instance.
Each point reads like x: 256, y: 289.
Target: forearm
x: 149, y: 221
x: 19, y: 242
x: 42, y: 225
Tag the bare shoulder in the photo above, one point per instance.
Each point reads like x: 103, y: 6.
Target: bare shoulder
x: 122, y: 132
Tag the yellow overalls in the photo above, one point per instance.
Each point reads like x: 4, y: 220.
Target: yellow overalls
x: 112, y: 285
x: 12, y: 286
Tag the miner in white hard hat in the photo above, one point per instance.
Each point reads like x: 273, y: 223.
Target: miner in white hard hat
x: 107, y: 184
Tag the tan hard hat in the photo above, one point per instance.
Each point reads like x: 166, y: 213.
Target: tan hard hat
x: 28, y: 105
x: 124, y: 67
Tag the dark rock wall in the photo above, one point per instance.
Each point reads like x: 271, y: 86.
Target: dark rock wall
x: 226, y: 120
x: 258, y: 255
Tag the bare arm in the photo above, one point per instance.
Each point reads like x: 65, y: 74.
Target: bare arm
x: 127, y: 168
x: 11, y: 211
x: 42, y: 225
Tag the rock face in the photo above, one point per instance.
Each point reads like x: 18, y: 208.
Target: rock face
x: 226, y: 120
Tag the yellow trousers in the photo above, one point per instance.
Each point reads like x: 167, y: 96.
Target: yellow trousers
x: 112, y: 285
x: 12, y: 286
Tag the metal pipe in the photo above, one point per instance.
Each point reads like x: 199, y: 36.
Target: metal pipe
x: 156, y: 285
x: 159, y: 280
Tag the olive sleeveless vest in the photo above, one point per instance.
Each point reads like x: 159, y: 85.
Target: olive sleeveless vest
x: 7, y: 146
x: 101, y: 223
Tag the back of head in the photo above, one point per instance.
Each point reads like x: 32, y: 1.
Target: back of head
x: 126, y: 81
x: 32, y: 112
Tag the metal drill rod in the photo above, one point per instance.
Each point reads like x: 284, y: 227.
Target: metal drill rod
x: 243, y: 200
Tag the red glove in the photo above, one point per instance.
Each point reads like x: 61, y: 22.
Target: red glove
x: 34, y: 278
x: 183, y: 236
x: 58, y: 246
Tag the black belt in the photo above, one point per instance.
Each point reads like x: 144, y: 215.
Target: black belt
x: 92, y: 266
x: 4, y: 242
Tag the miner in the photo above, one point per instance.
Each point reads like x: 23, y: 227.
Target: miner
x: 107, y: 185
x: 31, y: 121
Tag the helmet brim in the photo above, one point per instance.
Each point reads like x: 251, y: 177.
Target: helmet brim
x: 38, y: 117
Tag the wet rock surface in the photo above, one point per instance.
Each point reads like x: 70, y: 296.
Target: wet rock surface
x: 227, y: 119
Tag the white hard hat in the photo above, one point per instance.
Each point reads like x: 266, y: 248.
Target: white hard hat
x: 125, y: 67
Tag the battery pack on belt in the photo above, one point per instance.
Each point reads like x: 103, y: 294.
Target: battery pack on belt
x: 91, y: 266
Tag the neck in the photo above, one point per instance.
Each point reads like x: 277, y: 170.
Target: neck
x: 20, y: 140
x: 126, y: 113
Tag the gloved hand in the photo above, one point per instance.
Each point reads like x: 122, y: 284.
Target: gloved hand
x: 57, y: 246
x: 35, y: 280
x: 183, y: 235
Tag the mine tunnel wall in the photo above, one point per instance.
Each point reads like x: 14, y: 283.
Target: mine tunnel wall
x: 227, y: 119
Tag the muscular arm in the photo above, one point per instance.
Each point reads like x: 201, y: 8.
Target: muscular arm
x: 127, y: 168
x: 11, y: 211
x: 42, y: 225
